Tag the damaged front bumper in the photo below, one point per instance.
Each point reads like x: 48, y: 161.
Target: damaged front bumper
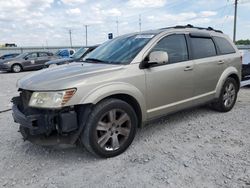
x: 55, y: 126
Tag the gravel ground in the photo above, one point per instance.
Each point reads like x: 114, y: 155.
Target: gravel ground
x: 193, y: 148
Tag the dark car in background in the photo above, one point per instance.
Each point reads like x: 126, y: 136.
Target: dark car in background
x: 8, y: 56
x: 26, y: 61
x: 77, y: 56
x: 245, y: 64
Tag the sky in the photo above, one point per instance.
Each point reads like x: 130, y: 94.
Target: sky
x: 47, y: 22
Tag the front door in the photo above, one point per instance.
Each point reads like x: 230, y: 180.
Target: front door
x: 30, y: 61
x: 170, y: 86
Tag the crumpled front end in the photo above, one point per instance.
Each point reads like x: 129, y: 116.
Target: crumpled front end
x: 56, y: 125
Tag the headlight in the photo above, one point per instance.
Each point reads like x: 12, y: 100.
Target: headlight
x: 8, y: 62
x: 55, y: 99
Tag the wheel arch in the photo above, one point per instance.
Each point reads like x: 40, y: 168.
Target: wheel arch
x: 131, y: 101
x: 229, y: 72
x: 16, y: 64
x: 125, y: 92
x: 236, y: 78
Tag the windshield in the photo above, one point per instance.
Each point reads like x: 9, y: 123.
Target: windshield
x: 22, y: 55
x: 121, y: 50
x: 79, y: 53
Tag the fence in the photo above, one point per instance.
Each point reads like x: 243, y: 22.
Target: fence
x: 6, y: 50
x: 243, y: 47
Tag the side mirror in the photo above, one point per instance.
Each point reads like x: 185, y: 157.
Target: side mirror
x: 26, y: 58
x: 158, y: 57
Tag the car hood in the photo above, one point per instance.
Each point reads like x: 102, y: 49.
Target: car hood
x: 65, y: 76
x: 2, y: 61
x: 7, y: 60
x: 60, y: 60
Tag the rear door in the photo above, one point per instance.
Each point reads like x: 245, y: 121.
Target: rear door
x: 207, y: 67
x: 43, y: 57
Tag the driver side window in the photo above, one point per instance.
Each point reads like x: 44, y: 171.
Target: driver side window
x: 176, y: 47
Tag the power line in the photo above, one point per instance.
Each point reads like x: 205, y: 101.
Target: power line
x: 226, y: 14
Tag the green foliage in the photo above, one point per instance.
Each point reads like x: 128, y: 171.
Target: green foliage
x: 243, y: 42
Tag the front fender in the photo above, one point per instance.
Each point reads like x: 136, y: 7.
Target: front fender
x: 101, y: 92
x: 227, y: 72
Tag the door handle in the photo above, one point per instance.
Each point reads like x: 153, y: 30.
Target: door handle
x: 221, y: 62
x: 188, y: 68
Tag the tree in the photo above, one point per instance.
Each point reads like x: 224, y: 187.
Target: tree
x: 243, y: 42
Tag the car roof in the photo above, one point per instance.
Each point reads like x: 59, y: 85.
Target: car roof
x: 11, y: 54
x: 39, y: 52
x: 188, y: 28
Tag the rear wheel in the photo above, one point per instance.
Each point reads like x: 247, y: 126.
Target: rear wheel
x: 110, y: 129
x: 16, y: 68
x: 228, y: 96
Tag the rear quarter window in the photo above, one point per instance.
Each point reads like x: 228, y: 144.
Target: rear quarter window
x: 43, y: 54
x: 224, y: 45
x: 202, y: 47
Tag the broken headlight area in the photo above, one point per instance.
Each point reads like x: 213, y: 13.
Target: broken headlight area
x: 45, y: 122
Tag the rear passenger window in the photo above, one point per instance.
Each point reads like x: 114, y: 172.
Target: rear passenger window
x: 202, y: 47
x: 43, y: 54
x: 175, y: 46
x: 224, y: 46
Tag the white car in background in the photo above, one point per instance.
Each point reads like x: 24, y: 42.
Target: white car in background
x: 245, y: 63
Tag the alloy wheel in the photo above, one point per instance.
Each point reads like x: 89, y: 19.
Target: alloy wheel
x: 17, y: 68
x: 229, y: 95
x: 113, y: 129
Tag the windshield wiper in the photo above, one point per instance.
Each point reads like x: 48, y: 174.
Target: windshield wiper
x: 96, y: 60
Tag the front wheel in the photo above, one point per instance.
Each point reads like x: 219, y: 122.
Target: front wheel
x: 110, y: 128
x: 16, y: 68
x: 228, y: 96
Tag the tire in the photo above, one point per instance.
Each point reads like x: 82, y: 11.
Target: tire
x: 104, y: 135
x: 228, y: 96
x: 16, y: 68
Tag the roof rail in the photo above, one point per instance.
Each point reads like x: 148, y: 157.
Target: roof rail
x: 191, y: 26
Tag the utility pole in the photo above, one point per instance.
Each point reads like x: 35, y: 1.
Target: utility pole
x: 235, y: 19
x: 140, y: 23
x: 86, y: 34
x: 70, y: 38
x: 47, y: 45
x: 117, y: 26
